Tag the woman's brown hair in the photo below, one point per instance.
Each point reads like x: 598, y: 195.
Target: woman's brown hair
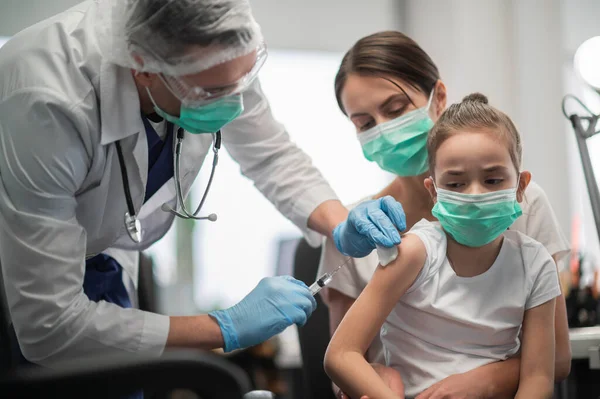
x: 388, y: 54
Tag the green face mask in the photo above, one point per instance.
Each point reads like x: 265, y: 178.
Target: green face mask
x: 208, y: 118
x: 399, y: 145
x: 475, y: 220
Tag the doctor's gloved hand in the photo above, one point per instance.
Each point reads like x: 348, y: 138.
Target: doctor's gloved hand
x: 370, y: 224
x: 275, y: 304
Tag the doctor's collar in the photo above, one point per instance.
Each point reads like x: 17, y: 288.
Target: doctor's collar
x: 119, y: 104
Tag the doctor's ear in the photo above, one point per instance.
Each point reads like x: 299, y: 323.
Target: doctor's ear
x: 428, y: 182
x: 144, y: 79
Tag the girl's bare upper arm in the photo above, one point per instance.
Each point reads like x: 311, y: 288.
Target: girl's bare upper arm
x: 366, y: 316
x: 537, y: 353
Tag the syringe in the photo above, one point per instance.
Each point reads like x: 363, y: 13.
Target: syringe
x: 386, y: 255
x: 325, y: 279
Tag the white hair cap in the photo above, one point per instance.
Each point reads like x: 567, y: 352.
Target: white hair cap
x: 175, y: 37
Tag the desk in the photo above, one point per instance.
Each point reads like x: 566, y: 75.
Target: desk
x: 585, y: 344
x: 585, y: 366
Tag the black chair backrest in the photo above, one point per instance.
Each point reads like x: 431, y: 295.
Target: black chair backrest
x: 146, y: 286
x: 8, y: 359
x: 207, y: 375
x: 314, y: 336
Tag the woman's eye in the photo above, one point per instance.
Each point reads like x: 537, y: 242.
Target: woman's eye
x: 397, y: 111
x: 366, y: 126
x: 494, y: 181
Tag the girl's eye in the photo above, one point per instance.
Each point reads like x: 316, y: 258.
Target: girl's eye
x: 494, y: 181
x: 454, y: 185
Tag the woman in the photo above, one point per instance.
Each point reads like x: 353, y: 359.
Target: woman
x: 392, y: 92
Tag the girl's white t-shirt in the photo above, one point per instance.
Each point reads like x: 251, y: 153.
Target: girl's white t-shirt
x: 446, y: 324
x: 538, y: 222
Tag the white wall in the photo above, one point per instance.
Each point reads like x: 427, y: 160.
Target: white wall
x: 579, y: 19
x: 470, y: 42
x: 330, y: 25
x: 539, y: 89
x: 16, y: 15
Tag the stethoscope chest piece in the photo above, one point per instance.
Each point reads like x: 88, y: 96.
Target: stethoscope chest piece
x: 134, y: 228
x: 132, y: 224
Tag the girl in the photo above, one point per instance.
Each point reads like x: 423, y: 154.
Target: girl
x: 461, y: 289
x: 386, y: 83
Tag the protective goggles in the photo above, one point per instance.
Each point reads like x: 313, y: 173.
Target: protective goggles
x: 191, y: 95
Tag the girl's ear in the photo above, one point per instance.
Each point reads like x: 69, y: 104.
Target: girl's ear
x: 524, y: 180
x: 430, y: 186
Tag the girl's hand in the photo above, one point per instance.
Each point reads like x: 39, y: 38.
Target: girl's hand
x: 391, y: 378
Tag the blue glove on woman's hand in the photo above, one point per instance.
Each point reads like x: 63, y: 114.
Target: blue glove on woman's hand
x: 370, y: 224
x: 275, y: 304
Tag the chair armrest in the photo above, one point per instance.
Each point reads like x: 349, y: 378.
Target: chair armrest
x: 207, y: 374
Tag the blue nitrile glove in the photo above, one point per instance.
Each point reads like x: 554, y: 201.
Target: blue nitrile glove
x: 275, y: 304
x: 369, y: 224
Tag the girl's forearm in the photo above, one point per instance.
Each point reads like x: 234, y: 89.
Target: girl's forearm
x: 355, y: 376
x: 536, y: 387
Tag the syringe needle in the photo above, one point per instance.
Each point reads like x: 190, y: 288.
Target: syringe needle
x: 325, y: 279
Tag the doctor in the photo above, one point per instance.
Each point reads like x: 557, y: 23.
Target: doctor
x: 96, y: 105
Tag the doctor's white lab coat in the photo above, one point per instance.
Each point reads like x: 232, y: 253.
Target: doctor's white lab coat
x: 62, y: 108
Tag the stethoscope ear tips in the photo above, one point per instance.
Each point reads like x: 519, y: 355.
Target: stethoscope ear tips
x: 212, y: 217
x: 165, y: 208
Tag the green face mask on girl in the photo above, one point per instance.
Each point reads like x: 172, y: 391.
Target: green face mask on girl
x: 475, y: 220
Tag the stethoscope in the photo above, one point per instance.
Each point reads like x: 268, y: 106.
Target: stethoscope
x: 132, y: 223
